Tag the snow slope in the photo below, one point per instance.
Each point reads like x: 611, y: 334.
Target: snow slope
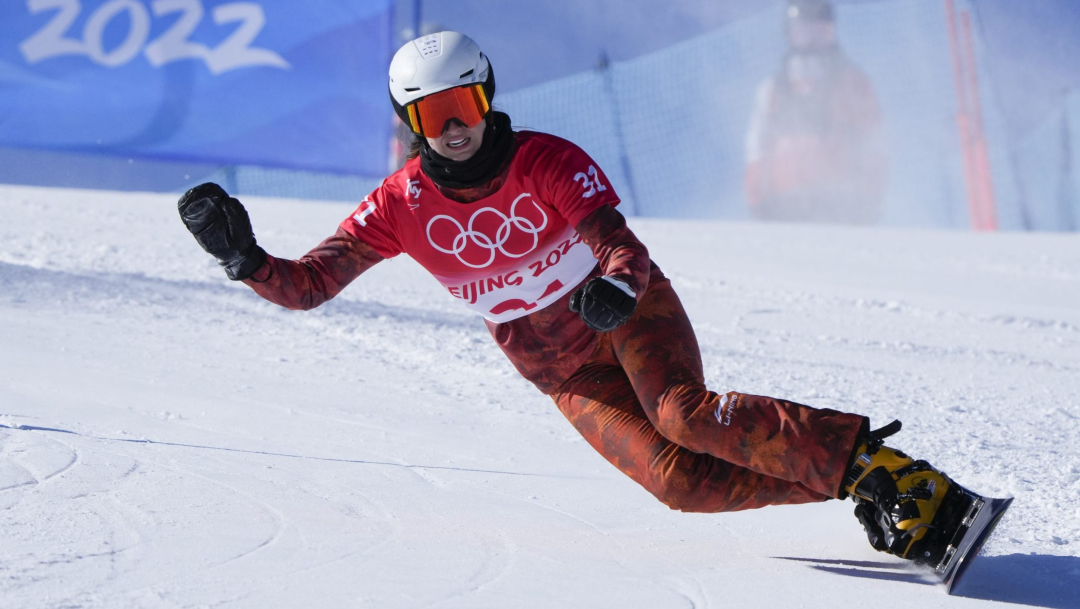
x: 171, y: 440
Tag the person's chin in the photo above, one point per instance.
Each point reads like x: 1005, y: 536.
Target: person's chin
x: 464, y: 155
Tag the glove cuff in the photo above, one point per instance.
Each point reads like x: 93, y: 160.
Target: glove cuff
x: 245, y: 264
x: 622, y: 285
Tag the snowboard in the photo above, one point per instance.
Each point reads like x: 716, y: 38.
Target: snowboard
x: 975, y: 518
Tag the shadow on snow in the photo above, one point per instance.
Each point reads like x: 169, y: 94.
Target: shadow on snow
x: 1038, y: 580
x: 1035, y: 580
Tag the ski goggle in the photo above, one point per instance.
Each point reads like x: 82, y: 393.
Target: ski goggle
x: 429, y: 115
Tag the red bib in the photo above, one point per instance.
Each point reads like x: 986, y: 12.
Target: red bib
x: 508, y: 254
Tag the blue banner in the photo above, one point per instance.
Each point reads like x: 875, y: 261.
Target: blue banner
x: 276, y: 83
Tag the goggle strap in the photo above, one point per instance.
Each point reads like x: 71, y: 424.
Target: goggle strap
x: 414, y: 118
x: 481, y: 98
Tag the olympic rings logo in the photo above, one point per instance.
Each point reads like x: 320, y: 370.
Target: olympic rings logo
x: 470, y: 235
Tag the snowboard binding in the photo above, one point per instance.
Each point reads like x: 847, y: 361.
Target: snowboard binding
x: 912, y: 510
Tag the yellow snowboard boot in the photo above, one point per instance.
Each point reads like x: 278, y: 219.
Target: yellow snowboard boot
x: 905, y: 494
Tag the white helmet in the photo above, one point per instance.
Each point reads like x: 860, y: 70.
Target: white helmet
x: 435, y: 63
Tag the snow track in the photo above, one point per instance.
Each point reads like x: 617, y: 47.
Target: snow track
x: 167, y: 439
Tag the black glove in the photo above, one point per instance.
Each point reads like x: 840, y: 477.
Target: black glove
x: 221, y: 226
x: 604, y: 303
x: 868, y: 515
x: 882, y: 532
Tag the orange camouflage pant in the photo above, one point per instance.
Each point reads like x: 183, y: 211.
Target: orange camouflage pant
x: 641, y: 401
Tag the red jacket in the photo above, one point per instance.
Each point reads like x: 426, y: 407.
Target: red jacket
x: 510, y: 249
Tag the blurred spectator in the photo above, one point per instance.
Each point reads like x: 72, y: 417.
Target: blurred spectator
x: 813, y: 149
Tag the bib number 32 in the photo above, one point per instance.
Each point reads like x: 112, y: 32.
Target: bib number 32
x: 173, y: 45
x: 591, y: 182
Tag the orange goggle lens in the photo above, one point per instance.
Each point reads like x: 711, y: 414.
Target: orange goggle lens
x: 467, y: 104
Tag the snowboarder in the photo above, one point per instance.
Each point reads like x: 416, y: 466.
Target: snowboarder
x: 522, y: 227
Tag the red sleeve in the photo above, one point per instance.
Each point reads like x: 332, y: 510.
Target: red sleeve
x: 373, y: 221
x: 575, y: 184
x: 317, y: 277
x: 620, y: 253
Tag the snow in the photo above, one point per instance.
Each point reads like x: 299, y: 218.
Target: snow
x: 171, y: 440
